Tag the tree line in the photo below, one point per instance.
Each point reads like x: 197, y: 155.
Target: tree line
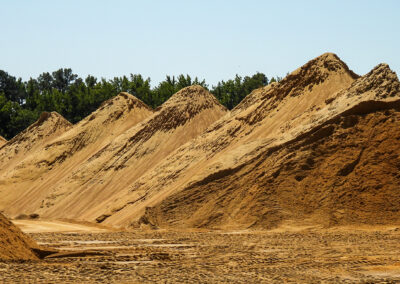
x: 22, y: 102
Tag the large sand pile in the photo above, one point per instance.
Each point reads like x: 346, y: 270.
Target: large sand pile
x: 14, y: 245
x: 54, y: 159
x: 340, y: 166
x: 114, y: 117
x: 101, y: 183
x: 46, y: 128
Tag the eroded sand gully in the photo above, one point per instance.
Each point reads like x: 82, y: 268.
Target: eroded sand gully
x: 291, y: 254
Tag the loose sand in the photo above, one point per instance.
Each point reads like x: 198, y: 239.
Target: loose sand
x: 14, y: 245
x: 48, y: 226
x: 342, y: 255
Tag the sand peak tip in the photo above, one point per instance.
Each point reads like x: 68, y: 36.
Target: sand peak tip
x: 126, y: 95
x: 328, y: 55
x: 382, y: 71
x: 194, y: 96
x: 380, y: 68
x: 46, y: 115
x: 187, y: 91
x: 331, y: 63
x: 190, y: 92
x: 125, y: 98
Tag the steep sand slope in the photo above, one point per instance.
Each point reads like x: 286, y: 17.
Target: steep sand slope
x: 14, y: 245
x: 50, y: 162
x: 263, y: 117
x: 341, y: 166
x: 2, y: 141
x: 46, y: 128
x: 105, y: 178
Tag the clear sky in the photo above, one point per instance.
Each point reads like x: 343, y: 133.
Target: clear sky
x: 213, y: 40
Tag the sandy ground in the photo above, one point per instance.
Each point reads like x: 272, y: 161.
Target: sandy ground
x: 41, y: 226
x: 307, y: 255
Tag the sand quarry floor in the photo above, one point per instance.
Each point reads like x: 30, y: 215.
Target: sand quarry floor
x: 308, y: 255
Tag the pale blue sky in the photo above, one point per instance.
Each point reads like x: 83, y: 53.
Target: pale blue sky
x: 210, y: 39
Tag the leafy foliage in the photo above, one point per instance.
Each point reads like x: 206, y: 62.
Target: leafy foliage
x: 62, y: 91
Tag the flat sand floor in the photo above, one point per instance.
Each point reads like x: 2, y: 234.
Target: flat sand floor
x: 44, y: 226
x: 303, y: 256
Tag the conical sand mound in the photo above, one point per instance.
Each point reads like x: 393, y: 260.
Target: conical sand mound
x: 55, y: 160
x: 2, y: 141
x: 339, y: 168
x: 46, y: 128
x: 112, y: 118
x: 14, y: 245
x: 101, y: 184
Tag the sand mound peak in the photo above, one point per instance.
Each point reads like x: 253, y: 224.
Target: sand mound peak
x: 195, y: 94
x: 50, y: 121
x: 382, y: 79
x: 113, y: 117
x: 116, y: 108
x: 14, y: 245
x: 125, y: 98
x: 49, y: 126
x: 178, y: 110
x: 191, y: 100
x: 378, y: 89
x: 308, y: 85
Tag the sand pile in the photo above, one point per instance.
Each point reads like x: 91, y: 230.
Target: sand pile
x: 114, y: 116
x: 51, y: 161
x: 339, y: 167
x: 14, y: 245
x: 91, y: 134
x: 46, y: 128
x: 2, y: 141
x: 99, y: 185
